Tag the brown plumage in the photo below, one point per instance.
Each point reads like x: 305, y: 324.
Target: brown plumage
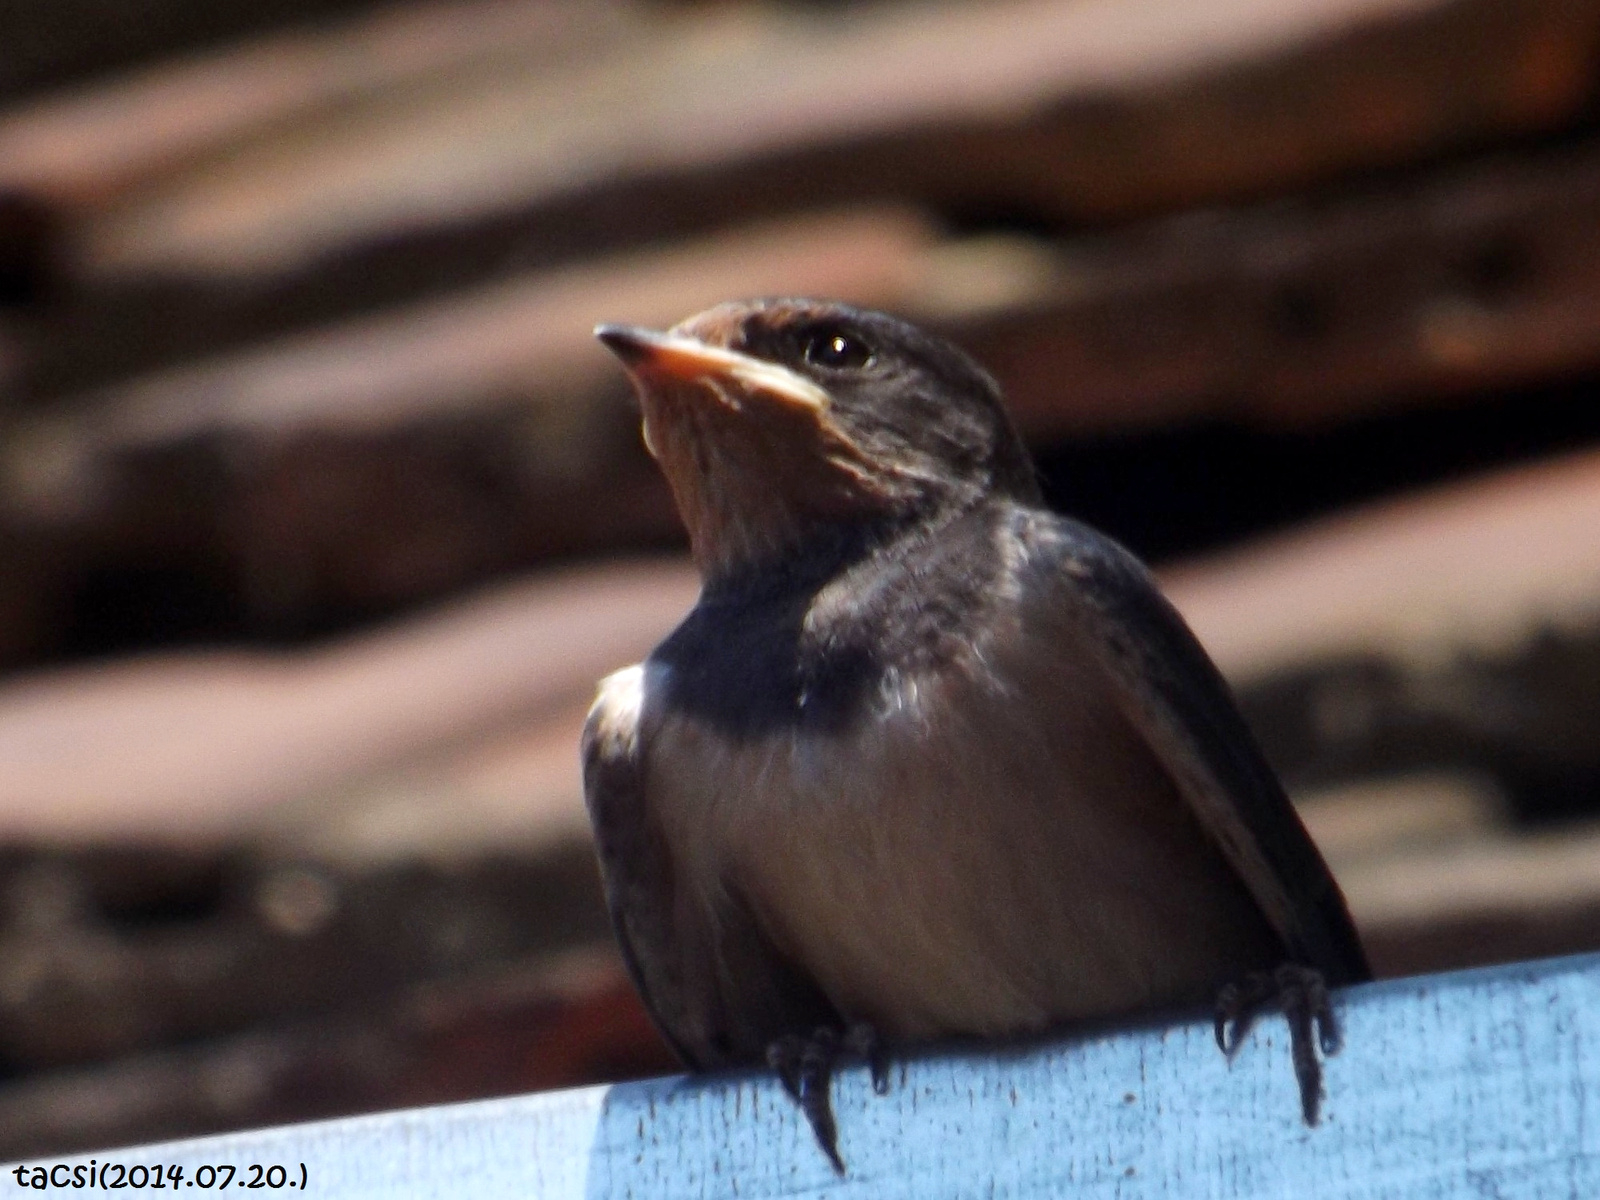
x: 925, y: 759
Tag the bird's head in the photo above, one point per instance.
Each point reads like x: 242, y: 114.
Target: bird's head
x: 784, y: 422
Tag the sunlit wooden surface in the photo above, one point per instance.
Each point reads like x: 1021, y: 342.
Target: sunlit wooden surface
x: 1471, y: 1084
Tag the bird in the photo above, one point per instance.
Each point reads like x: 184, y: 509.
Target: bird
x: 926, y: 760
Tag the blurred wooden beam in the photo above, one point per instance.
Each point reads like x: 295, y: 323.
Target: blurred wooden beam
x: 1480, y: 566
x: 1056, y: 107
x: 114, y: 946
x: 196, y: 747
x: 45, y: 48
x: 560, y: 1022
x: 82, y: 146
x: 1460, y: 279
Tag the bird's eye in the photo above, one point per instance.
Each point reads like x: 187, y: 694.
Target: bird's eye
x: 836, y: 350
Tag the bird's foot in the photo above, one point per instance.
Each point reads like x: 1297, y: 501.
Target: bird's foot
x: 805, y: 1065
x: 1302, y: 995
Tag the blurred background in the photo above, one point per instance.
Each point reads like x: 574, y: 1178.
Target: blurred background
x: 321, y: 514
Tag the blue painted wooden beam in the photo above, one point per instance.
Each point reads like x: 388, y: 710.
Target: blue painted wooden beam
x: 1482, y: 1083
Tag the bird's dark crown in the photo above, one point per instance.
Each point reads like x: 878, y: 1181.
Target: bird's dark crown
x: 911, y: 399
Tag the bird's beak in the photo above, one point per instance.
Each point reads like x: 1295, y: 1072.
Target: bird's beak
x: 650, y: 355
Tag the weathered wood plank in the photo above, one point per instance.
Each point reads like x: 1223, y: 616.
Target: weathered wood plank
x: 1472, y: 1084
x: 83, y: 146
x: 1478, y: 275
x: 1067, y: 110
x: 531, y: 1023
x: 194, y: 749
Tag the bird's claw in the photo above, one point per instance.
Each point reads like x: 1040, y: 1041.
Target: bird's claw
x: 805, y: 1067
x: 862, y: 1040
x: 1302, y: 995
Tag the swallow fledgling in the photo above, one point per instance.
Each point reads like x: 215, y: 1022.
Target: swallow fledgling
x: 925, y: 760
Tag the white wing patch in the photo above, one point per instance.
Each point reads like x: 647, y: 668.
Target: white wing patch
x: 613, y: 724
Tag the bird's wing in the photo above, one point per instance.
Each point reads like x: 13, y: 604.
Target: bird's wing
x: 714, y: 984
x: 634, y: 865
x: 1169, y: 687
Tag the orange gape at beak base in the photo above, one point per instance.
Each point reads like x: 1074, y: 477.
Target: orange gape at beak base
x: 647, y: 352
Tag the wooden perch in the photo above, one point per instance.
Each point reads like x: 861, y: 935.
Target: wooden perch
x: 1476, y: 1083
